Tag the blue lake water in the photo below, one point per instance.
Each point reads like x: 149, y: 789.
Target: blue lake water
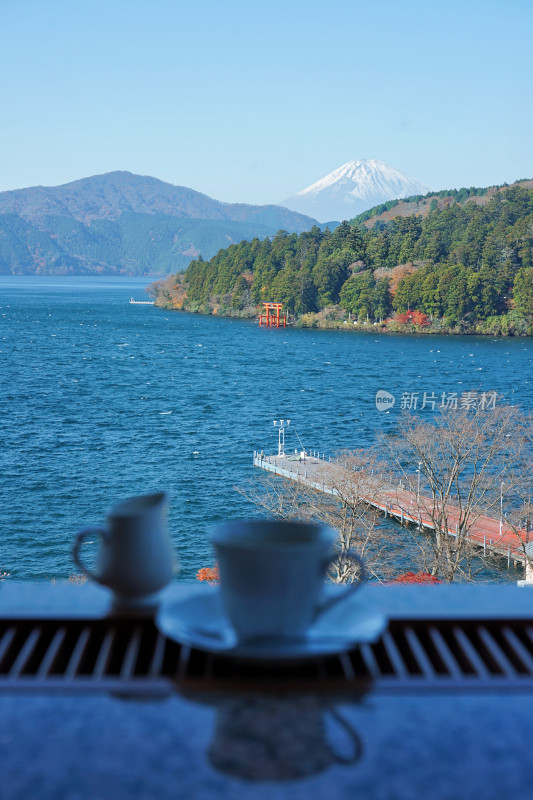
x: 101, y: 400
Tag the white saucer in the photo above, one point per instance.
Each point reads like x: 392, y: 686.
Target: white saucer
x: 199, y: 620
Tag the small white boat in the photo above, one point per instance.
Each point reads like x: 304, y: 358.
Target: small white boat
x: 141, y: 302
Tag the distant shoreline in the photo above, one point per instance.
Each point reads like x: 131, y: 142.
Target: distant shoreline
x: 370, y: 328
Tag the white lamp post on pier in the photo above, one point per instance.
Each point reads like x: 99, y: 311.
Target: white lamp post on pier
x: 282, y: 426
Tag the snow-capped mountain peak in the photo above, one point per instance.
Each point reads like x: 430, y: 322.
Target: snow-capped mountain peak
x: 353, y: 188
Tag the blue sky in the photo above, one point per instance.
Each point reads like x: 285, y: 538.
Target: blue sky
x: 252, y: 102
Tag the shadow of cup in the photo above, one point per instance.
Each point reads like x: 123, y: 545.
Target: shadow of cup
x: 269, y: 738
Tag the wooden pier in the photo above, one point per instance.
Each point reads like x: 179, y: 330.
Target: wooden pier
x: 311, y: 469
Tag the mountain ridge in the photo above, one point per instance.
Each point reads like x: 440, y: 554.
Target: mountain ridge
x: 108, y: 194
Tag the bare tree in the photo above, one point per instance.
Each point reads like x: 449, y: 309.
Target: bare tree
x: 519, y: 508
x: 520, y: 520
x: 452, y: 471
x: 448, y: 475
x: 354, y: 479
x: 336, y: 495
x: 276, y: 497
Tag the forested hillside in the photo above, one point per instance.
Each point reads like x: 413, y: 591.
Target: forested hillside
x: 121, y: 223
x: 133, y: 244
x: 421, y: 205
x: 460, y: 265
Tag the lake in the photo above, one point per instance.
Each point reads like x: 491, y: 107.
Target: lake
x: 102, y: 400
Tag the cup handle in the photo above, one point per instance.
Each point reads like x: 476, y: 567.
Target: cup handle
x: 325, y: 605
x: 76, y: 547
x: 354, y: 736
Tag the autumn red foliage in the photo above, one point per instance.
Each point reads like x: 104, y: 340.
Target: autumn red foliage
x: 416, y: 577
x: 209, y: 574
x: 414, y: 317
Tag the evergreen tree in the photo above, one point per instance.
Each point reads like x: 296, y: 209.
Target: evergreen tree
x: 523, y: 291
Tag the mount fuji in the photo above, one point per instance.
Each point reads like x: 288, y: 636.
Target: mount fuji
x: 352, y: 189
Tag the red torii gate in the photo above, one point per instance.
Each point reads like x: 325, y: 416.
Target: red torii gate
x: 273, y: 320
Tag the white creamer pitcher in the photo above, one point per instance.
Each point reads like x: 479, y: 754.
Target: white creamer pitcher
x: 135, y: 559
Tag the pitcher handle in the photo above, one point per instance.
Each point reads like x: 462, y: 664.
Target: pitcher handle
x: 325, y: 605
x: 76, y: 548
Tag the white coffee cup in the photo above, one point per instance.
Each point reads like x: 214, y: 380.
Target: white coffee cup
x: 135, y: 559
x: 272, y: 576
